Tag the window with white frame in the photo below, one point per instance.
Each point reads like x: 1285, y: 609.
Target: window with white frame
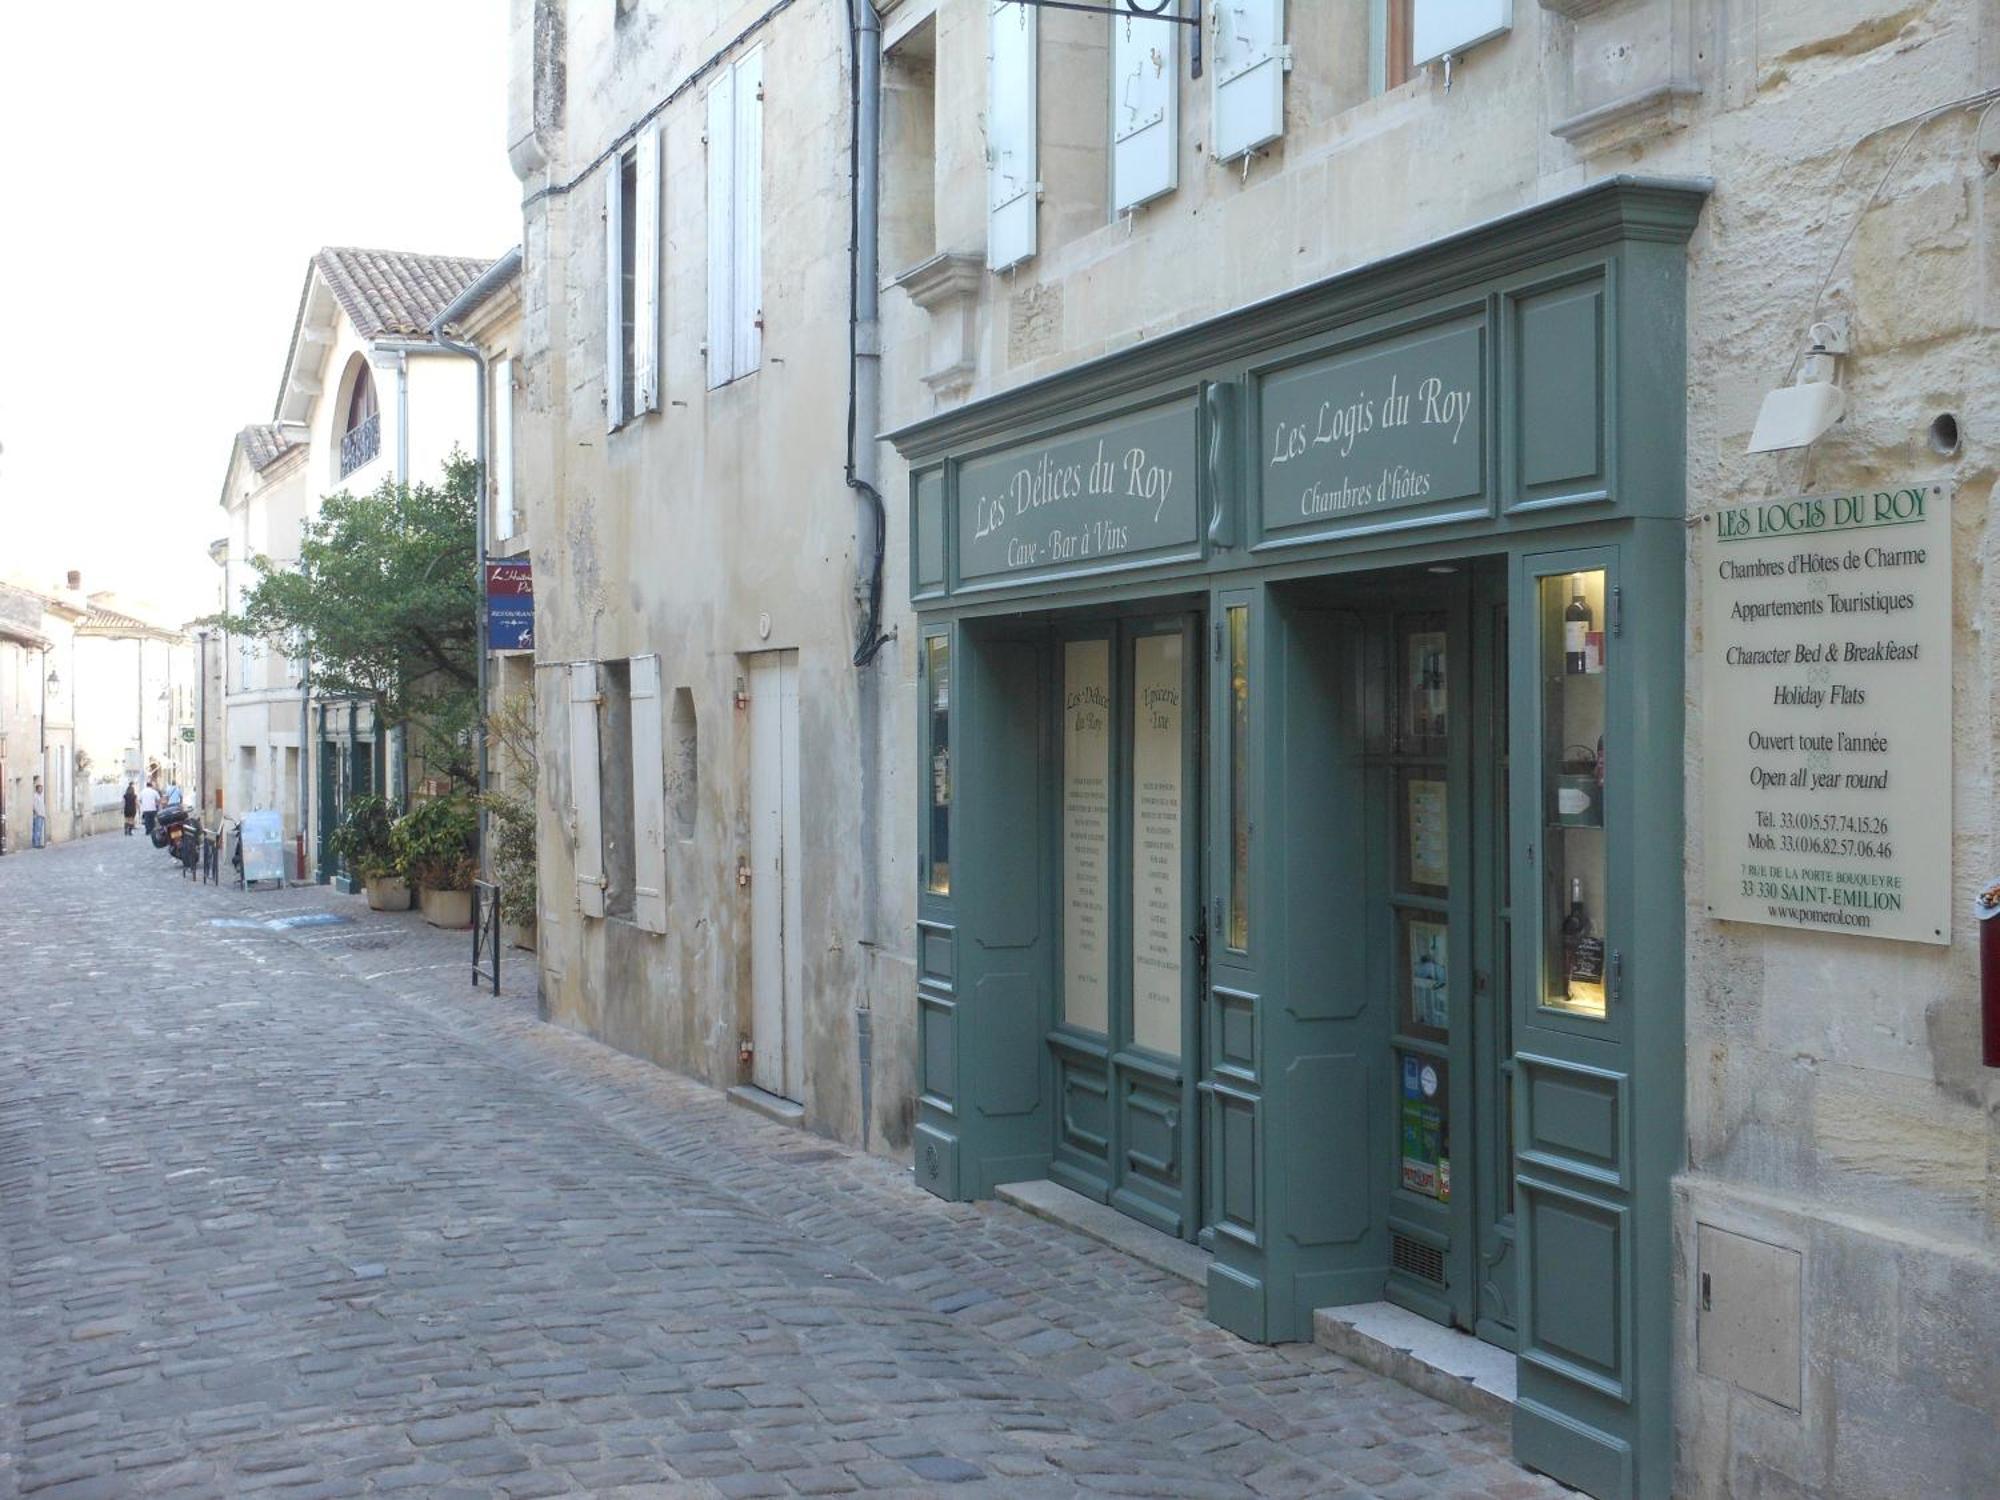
x: 632, y: 281
x: 735, y: 140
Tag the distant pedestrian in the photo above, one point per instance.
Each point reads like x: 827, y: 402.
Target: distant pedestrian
x: 41, y: 807
x: 149, y: 807
x: 131, y: 806
x: 174, y: 794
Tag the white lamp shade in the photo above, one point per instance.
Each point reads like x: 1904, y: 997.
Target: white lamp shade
x: 1797, y: 416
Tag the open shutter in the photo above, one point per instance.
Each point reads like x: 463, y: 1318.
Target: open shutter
x: 1012, y: 188
x: 1438, y: 27
x: 747, y: 315
x: 505, y: 523
x: 646, y: 272
x: 1248, y: 69
x: 614, y: 289
x: 649, y: 798
x: 721, y: 232
x: 1145, y: 110
x: 586, y: 808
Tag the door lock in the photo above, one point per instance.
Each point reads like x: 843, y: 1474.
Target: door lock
x: 742, y: 873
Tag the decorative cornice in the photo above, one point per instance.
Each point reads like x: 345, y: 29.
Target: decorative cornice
x: 1642, y: 104
x: 945, y: 276
x: 1658, y: 210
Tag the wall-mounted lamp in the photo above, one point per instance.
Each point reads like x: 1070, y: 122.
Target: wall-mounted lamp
x: 55, y: 681
x: 1799, y: 415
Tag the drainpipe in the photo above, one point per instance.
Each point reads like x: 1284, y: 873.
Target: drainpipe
x: 402, y: 417
x: 490, y: 280
x: 864, y: 411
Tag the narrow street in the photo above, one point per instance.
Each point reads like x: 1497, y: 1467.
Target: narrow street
x: 293, y: 1209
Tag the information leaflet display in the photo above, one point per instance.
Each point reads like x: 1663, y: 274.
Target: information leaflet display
x: 1086, y: 831
x: 1157, y: 921
x: 1827, y: 704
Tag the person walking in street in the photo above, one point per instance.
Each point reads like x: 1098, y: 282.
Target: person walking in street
x: 149, y: 807
x: 131, y: 806
x: 41, y: 807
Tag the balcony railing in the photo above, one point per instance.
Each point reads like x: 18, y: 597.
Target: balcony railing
x: 361, y: 444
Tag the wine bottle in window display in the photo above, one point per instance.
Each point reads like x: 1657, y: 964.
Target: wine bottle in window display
x: 1576, y: 629
x: 1575, y: 926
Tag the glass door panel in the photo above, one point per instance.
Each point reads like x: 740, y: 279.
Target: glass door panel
x: 1086, y: 833
x: 1159, y: 854
x: 1574, y: 671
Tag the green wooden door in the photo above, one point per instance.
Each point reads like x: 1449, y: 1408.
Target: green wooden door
x: 1130, y: 940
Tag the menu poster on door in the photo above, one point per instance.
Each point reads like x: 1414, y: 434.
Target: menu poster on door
x: 1086, y: 813
x: 1430, y: 857
x: 1426, y: 1133
x: 1157, y: 765
x: 1826, y: 651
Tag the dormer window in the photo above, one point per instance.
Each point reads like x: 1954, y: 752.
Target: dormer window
x: 361, y: 437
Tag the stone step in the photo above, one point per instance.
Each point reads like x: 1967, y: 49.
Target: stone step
x: 1105, y: 1224
x: 1455, y: 1368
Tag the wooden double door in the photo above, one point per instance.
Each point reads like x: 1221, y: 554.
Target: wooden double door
x: 1130, y: 953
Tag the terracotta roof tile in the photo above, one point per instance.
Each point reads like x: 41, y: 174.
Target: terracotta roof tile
x: 266, y: 442
x: 395, y: 292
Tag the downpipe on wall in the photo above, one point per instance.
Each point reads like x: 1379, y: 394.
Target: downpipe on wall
x: 864, y: 409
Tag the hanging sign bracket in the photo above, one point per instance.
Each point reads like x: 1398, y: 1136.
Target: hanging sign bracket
x: 1145, y: 10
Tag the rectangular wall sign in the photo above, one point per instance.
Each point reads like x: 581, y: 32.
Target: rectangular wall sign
x: 1118, y: 492
x: 1826, y: 625
x: 1385, y: 428
x: 510, y: 606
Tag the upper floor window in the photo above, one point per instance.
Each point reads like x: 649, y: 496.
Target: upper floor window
x: 735, y: 219
x: 632, y: 280
x: 361, y: 432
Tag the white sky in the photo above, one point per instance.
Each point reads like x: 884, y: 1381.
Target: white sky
x: 170, y: 169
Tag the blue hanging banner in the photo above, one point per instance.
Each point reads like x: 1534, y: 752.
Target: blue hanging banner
x: 510, y: 605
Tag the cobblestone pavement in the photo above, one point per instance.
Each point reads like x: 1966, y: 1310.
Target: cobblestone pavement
x: 295, y: 1210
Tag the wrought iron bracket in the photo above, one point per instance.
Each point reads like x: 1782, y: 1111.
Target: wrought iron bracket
x: 1145, y: 10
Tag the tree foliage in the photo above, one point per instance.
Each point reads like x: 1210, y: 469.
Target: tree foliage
x: 384, y: 602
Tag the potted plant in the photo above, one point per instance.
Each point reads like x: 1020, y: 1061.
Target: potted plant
x: 364, y: 839
x: 436, y: 845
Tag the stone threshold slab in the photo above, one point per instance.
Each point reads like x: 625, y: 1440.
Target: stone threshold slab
x: 770, y: 1106
x: 1453, y: 1367
x: 1106, y: 1225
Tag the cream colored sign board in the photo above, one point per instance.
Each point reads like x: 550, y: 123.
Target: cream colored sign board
x: 1086, y: 832
x: 1826, y: 650
x: 1157, y: 919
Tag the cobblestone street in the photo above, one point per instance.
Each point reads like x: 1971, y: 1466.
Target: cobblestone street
x: 294, y: 1209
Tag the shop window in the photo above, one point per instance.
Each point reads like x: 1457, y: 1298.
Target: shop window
x: 683, y: 764
x: 937, y: 701
x: 1573, y: 669
x: 614, y: 782
x: 909, y: 148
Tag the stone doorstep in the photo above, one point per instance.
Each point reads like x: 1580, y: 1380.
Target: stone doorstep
x: 1105, y: 1224
x: 1452, y: 1367
x: 770, y: 1106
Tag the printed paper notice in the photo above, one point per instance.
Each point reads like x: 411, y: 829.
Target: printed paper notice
x: 1086, y: 813
x: 1157, y: 920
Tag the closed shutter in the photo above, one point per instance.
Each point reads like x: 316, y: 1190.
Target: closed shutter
x: 649, y: 798
x: 614, y: 300
x: 721, y: 187
x: 646, y: 273
x: 586, y: 809
x: 1248, y: 93
x: 1012, y: 188
x: 1145, y: 110
x: 747, y: 213
x: 1438, y: 27
x: 505, y: 520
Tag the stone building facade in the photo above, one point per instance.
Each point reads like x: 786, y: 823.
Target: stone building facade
x: 1641, y: 209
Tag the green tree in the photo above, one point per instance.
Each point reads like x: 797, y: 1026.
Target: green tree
x: 385, y: 602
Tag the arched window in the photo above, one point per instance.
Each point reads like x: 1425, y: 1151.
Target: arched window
x: 361, y: 436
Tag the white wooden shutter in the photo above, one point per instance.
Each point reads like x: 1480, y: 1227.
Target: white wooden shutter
x: 1247, y: 95
x: 614, y: 294
x: 1438, y: 27
x: 721, y: 230
x: 649, y: 798
x: 747, y: 208
x: 1145, y: 109
x: 505, y: 519
x: 1012, y: 188
x: 646, y: 273
x: 586, y: 808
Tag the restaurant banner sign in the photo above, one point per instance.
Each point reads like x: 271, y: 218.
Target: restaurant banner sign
x: 1826, y: 650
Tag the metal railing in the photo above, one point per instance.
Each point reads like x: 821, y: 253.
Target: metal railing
x: 486, y: 933
x: 360, y: 444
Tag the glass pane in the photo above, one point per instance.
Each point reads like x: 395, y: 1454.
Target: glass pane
x: 1158, y: 768
x: 937, y: 679
x: 1426, y: 1125
x: 1422, y: 727
x: 1573, y: 672
x: 1425, y: 847
x: 1239, y: 771
x: 1425, y: 950
x: 1086, y: 813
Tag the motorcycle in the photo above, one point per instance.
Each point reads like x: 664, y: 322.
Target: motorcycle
x: 179, y: 834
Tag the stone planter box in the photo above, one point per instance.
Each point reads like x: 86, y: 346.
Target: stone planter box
x: 520, y: 935
x: 446, y: 908
x: 388, y: 893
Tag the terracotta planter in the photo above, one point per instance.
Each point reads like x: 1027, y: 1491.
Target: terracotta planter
x: 388, y: 893
x: 446, y: 908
